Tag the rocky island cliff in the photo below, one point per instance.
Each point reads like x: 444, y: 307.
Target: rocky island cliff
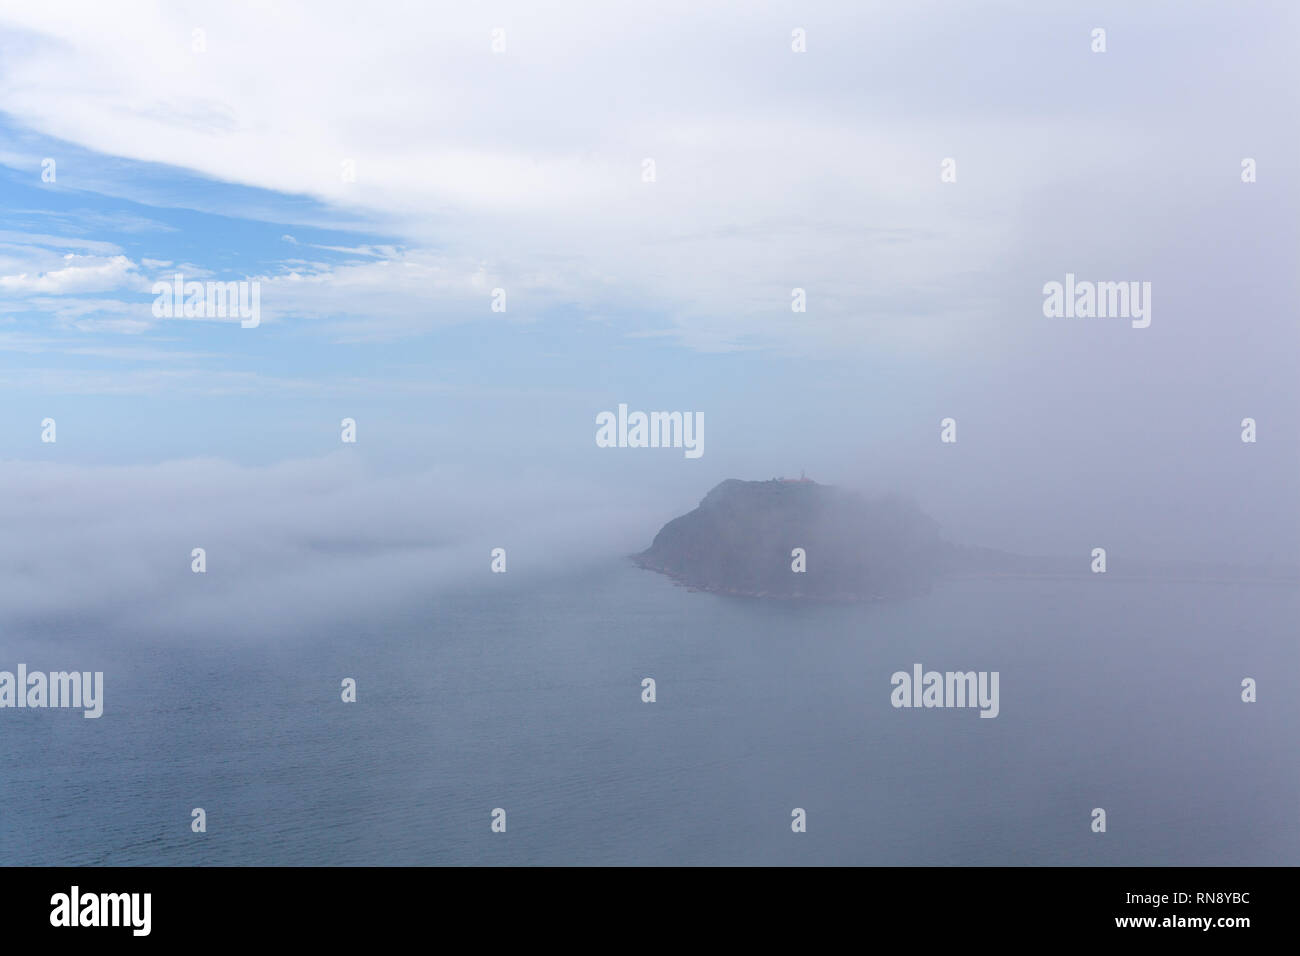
x: 742, y: 540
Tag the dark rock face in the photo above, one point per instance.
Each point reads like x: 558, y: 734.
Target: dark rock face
x: 739, y: 541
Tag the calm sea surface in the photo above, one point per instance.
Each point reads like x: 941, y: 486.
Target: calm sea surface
x: 1117, y: 695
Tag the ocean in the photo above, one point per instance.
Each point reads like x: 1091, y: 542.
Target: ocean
x: 1114, y: 694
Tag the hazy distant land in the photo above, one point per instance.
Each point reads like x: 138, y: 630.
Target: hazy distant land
x: 742, y: 540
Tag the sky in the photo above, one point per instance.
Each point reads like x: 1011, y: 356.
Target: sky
x: 380, y: 170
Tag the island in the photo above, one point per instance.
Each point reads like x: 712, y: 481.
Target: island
x: 794, y: 538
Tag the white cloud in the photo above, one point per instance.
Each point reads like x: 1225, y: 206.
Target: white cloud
x: 77, y: 274
x: 524, y: 167
x: 11, y: 239
x: 774, y: 169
